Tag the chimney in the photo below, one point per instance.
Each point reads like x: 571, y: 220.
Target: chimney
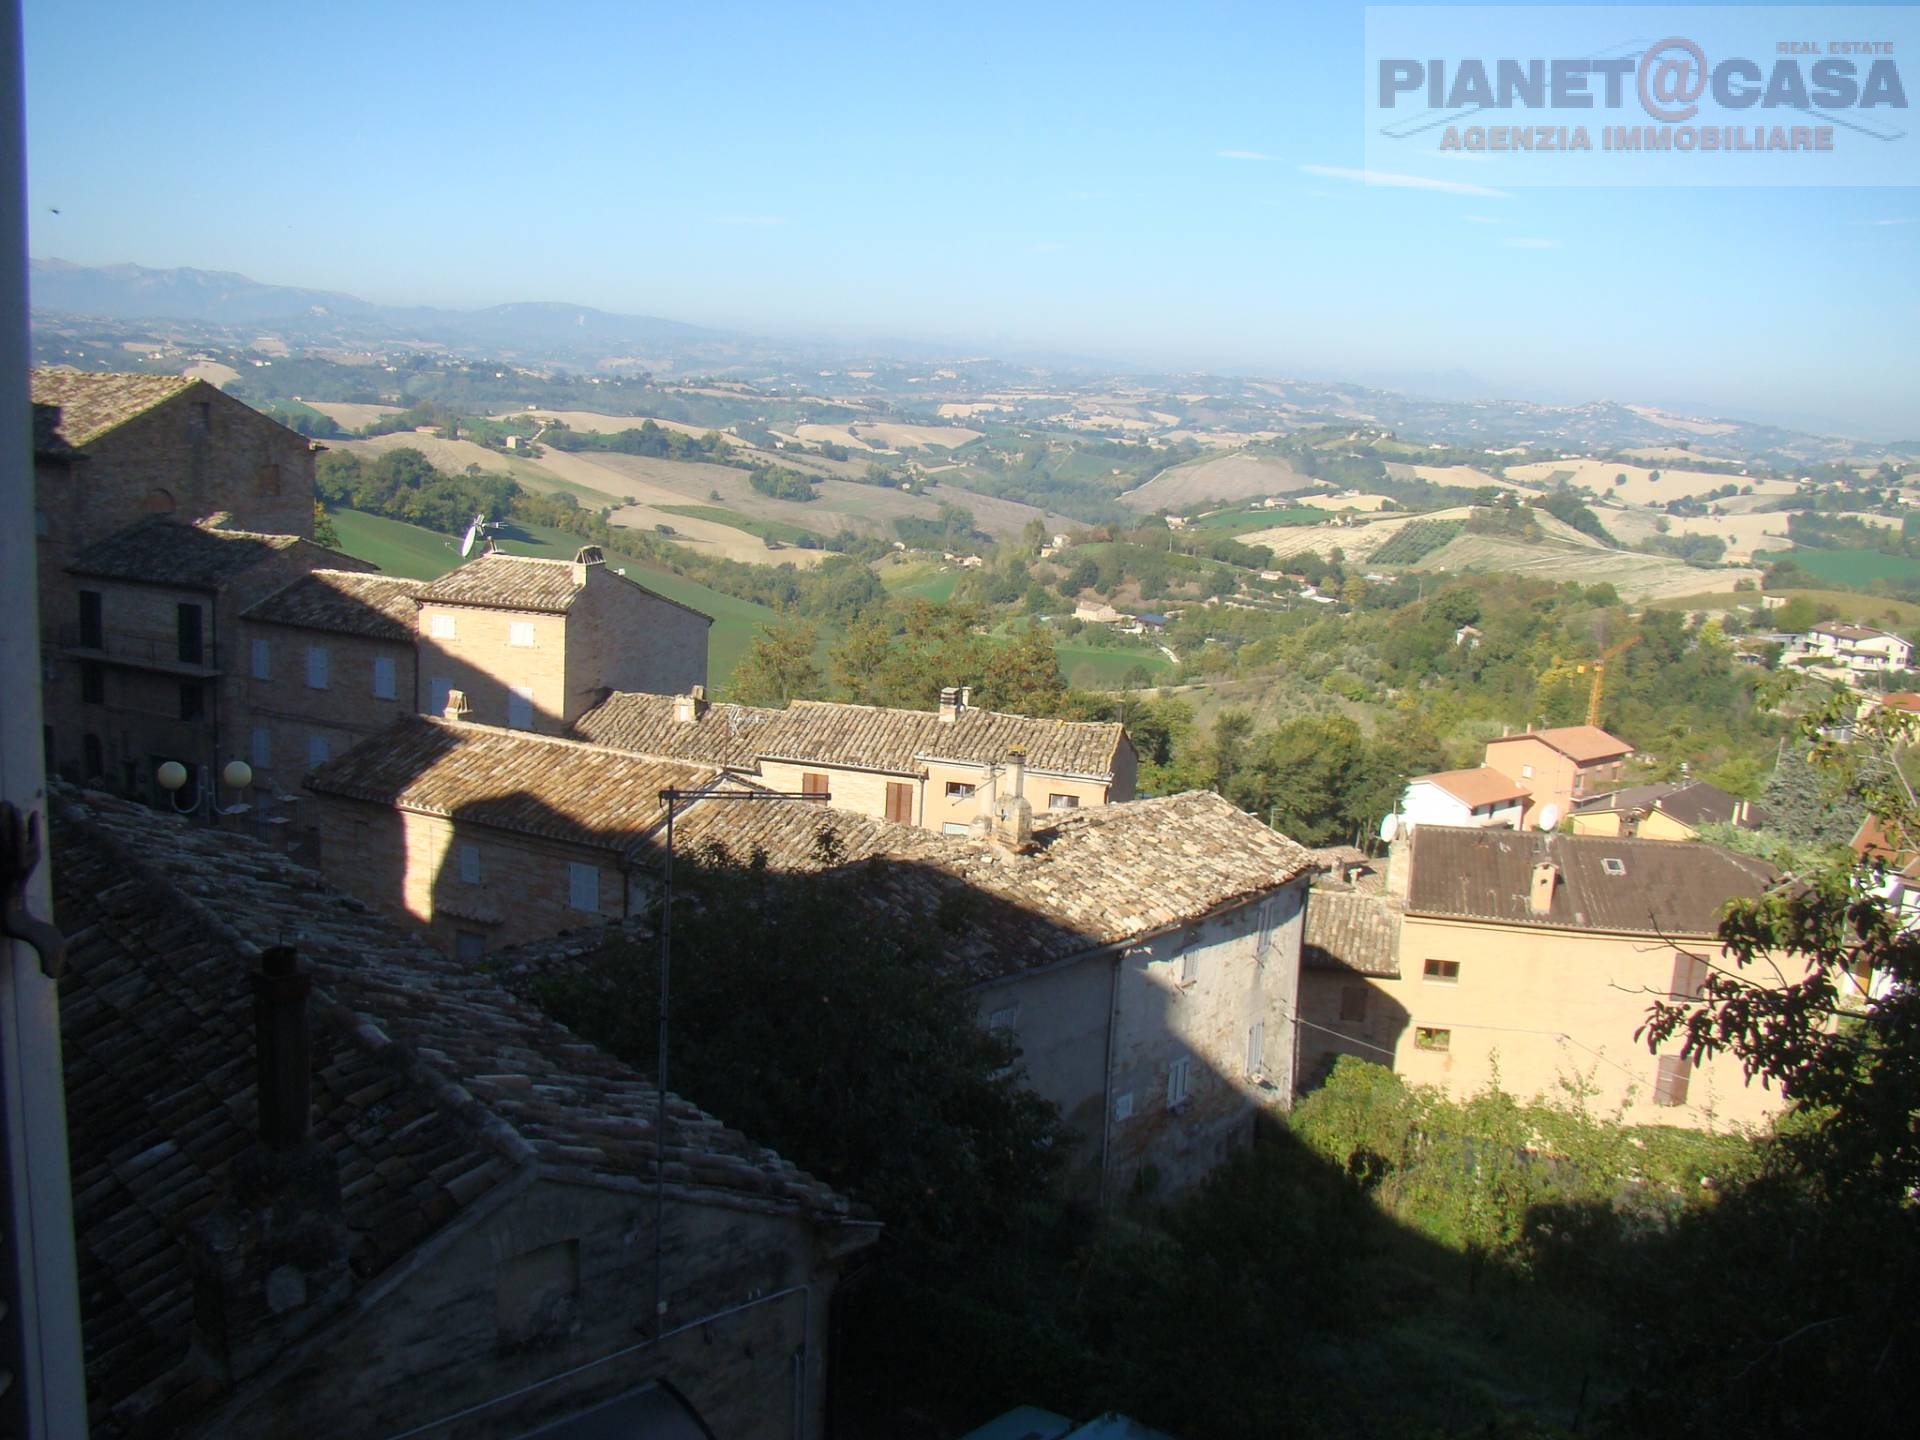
x: 691, y: 706
x: 1546, y: 875
x: 1013, y: 816
x: 584, y: 558
x: 1399, y: 877
x: 457, y: 706
x: 950, y: 704
x: 966, y: 697
x: 269, y: 1264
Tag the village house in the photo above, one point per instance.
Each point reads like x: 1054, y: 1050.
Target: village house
x: 1560, y: 766
x: 1145, y: 954
x: 1352, y: 947
x: 328, y: 1182
x: 1534, y: 957
x: 937, y: 769
x: 150, y: 663
x: 1096, y: 612
x: 112, y: 449
x: 534, y: 643
x: 1668, y: 810
x: 1861, y: 651
x: 1481, y: 796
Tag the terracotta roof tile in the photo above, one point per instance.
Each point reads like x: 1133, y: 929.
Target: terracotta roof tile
x: 1482, y: 785
x: 1351, y: 930
x: 165, y: 552
x: 1583, y: 744
x: 381, y: 607
x: 71, y: 408
x: 508, y: 582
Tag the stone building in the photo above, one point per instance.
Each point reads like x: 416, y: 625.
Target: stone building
x: 534, y: 643
x: 1348, y: 1005
x: 936, y: 769
x: 327, y: 1182
x: 1145, y: 954
x: 149, y: 661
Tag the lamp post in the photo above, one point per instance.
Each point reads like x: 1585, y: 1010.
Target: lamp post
x: 172, y: 777
x: 674, y: 799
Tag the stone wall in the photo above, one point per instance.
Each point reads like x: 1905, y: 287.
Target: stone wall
x: 289, y: 714
x: 480, y: 658
x: 622, y: 636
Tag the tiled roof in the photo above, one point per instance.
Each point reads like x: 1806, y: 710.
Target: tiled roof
x: 1349, y: 930
x: 1840, y: 630
x: 510, y: 582
x: 868, y: 737
x: 1660, y: 888
x: 1483, y: 785
x: 511, y: 779
x: 1583, y: 744
x: 1094, y: 877
x: 380, y: 607
x: 73, y: 408
x: 165, y: 552
x: 1693, y: 803
x: 432, y: 1086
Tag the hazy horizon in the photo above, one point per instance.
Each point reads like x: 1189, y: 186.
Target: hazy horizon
x: 1162, y: 192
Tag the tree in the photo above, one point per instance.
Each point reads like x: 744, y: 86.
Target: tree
x: 778, y: 666
x: 1023, y: 674
x: 324, y: 532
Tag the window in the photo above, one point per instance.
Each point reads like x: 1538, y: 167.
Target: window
x: 262, y: 747
x: 1179, y: 1081
x: 1123, y: 1105
x: 1689, y: 976
x: 583, y: 886
x: 267, y: 482
x: 1425, y: 1038
x: 1526, y: 772
x: 959, y: 790
x: 93, y: 683
x: 1063, y: 802
x: 317, y: 751
x: 441, y: 627
x: 383, y: 686
x: 316, y: 667
x: 1670, y: 1080
x: 1003, y: 1018
x: 1442, y: 972
x: 1353, y: 1003
x: 260, y: 660
x: 187, y: 624
x: 1264, y: 941
x: 955, y: 827
x: 200, y: 419
x: 1613, y: 866
x: 193, y: 704
x: 520, y: 633
x: 93, y: 761
x: 900, y: 802
x: 438, y: 690
x: 92, y: 631
x: 520, y: 708
x: 1189, y: 967
x: 470, y: 946
x: 469, y: 864
x: 1257, y: 1049
x: 814, y: 786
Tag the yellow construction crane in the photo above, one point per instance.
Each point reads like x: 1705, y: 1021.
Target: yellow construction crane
x: 1600, y: 676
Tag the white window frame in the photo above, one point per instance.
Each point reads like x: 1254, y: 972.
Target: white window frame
x: 1189, y: 963
x: 442, y: 626
x: 583, y: 887
x: 1179, y: 1081
x: 319, y: 667
x: 1257, y: 1049
x: 520, y: 634
x: 385, y: 678
x: 260, y: 660
x: 520, y: 707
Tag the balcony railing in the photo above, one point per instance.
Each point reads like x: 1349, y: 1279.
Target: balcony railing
x: 144, y: 650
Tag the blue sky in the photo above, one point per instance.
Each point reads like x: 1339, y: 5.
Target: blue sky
x: 1152, y: 184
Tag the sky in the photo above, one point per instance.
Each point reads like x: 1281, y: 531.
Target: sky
x: 1163, y: 186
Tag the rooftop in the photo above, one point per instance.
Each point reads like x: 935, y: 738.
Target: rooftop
x: 867, y: 737
x: 1482, y: 785
x: 1351, y: 930
x: 1841, y: 630
x: 536, y: 785
x: 1583, y: 744
x: 380, y: 607
x: 72, y: 408
x: 500, y: 581
x: 1649, y: 887
x: 165, y: 552
x: 432, y: 1087
x: 1692, y: 802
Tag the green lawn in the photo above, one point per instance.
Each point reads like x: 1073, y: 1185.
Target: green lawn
x: 1099, y: 667
x: 1847, y: 605
x: 1848, y: 567
x: 402, y: 549
x: 1241, y: 522
x: 921, y: 582
x: 765, y: 529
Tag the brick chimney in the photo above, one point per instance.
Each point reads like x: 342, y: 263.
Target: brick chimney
x: 950, y: 704
x: 269, y: 1265
x: 584, y: 559
x: 1546, y: 875
x: 457, y: 706
x: 1012, y: 815
x: 691, y: 706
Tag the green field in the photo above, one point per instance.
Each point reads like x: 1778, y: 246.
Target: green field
x: 920, y: 582
x: 1241, y: 522
x: 1848, y: 567
x: 1099, y: 667
x: 402, y: 549
x: 766, y: 529
x: 1847, y: 605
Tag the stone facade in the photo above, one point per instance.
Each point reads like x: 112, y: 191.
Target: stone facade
x: 308, y: 695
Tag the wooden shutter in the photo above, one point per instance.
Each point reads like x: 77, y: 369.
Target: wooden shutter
x: 1689, y: 976
x: 814, y: 785
x: 1353, y: 1003
x: 900, y: 802
x: 1670, y: 1082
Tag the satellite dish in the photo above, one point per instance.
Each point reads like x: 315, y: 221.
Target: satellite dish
x: 1390, y: 829
x: 466, y: 541
x: 1549, y: 817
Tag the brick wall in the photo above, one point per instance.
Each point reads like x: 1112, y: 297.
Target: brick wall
x: 293, y: 714
x: 862, y: 791
x: 623, y: 637
x: 1344, y: 1013
x: 480, y: 658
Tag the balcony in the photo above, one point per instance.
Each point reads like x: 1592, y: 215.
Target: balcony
x: 137, y: 651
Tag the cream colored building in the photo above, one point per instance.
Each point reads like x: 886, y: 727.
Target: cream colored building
x: 1531, y: 959
x: 937, y: 769
x: 1559, y: 767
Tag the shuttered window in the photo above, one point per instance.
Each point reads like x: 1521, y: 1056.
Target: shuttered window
x: 262, y: 656
x: 1257, y: 1048
x: 899, y: 802
x: 470, y: 864
x: 1179, y: 1081
x: 1265, y: 941
x: 383, y: 687
x: 438, y: 690
x: 1670, y: 1080
x: 317, y: 751
x: 1689, y: 976
x: 814, y: 786
x: 1190, y: 967
x: 1353, y: 1003
x: 316, y: 667
x: 520, y: 708
x: 583, y: 886
x: 520, y: 633
x: 262, y: 747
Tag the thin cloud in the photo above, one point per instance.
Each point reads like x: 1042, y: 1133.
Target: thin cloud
x: 1905, y: 220
x: 750, y: 220
x: 1405, y: 182
x: 1530, y: 242
x: 1242, y: 155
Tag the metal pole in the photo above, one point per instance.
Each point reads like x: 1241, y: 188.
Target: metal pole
x: 660, y: 1083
